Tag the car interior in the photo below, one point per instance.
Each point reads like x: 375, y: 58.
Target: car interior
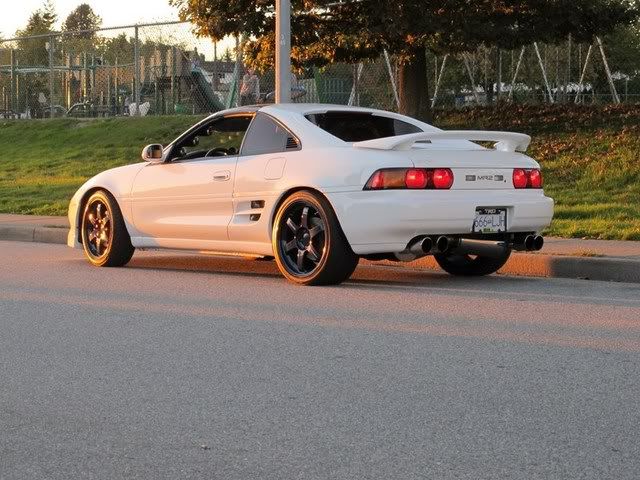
x: 218, y: 138
x: 360, y: 126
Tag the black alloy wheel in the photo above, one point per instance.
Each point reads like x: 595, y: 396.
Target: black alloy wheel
x: 302, y: 242
x: 309, y: 245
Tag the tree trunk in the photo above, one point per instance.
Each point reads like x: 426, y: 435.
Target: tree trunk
x: 413, y: 87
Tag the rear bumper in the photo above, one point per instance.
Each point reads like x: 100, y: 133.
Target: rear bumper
x: 385, y: 221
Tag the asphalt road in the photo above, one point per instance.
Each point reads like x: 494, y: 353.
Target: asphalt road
x: 182, y: 366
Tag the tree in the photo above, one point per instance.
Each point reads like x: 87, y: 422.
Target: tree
x: 82, y: 19
x: 328, y: 31
x: 33, y: 51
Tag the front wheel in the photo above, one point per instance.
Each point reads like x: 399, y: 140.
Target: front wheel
x: 472, y: 266
x: 309, y: 245
x: 105, y: 239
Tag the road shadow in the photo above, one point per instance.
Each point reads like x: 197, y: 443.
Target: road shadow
x: 388, y: 279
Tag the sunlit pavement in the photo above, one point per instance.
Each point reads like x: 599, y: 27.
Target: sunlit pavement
x: 183, y: 366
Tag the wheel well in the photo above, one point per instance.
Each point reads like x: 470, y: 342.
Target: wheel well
x: 286, y: 195
x: 81, y: 205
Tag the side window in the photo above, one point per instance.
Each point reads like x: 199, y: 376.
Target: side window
x: 226, y: 134
x: 219, y: 138
x: 265, y: 135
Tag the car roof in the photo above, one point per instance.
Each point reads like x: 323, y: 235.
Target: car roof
x: 293, y: 116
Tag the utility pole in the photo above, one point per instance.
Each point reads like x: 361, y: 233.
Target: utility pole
x: 283, y: 51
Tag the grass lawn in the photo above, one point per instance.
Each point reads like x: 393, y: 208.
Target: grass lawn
x: 43, y: 162
x: 590, y: 159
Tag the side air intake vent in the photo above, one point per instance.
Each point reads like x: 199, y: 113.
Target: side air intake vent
x: 292, y: 143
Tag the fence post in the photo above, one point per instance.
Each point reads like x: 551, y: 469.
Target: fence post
x: 439, y: 81
x: 174, y: 59
x: 85, y: 77
x: 582, y: 76
x: 51, y: 77
x: 393, y: 80
x: 116, y: 88
x: 607, y: 70
x: 136, y: 73
x: 13, y: 81
x: 239, y: 69
x: 544, y: 72
x: 499, y: 76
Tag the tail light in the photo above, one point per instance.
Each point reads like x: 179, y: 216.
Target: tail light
x: 417, y: 178
x: 411, y: 179
x: 442, y: 178
x: 535, y: 179
x: 527, y: 178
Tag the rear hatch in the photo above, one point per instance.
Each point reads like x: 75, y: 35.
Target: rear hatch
x: 476, y: 169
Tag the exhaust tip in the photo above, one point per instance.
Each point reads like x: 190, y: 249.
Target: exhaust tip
x: 538, y: 243
x: 529, y: 242
x: 442, y: 244
x: 427, y: 245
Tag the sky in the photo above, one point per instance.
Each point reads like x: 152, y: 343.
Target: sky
x: 14, y: 15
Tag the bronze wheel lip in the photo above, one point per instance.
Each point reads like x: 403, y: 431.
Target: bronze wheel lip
x: 97, y: 230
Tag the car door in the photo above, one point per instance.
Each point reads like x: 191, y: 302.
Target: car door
x: 187, y: 200
x: 259, y: 177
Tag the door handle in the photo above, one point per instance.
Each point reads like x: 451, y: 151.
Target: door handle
x: 222, y: 176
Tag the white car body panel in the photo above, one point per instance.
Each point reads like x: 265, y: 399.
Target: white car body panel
x: 184, y: 200
x: 206, y: 204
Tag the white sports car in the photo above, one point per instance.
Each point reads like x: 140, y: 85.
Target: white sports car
x: 318, y: 187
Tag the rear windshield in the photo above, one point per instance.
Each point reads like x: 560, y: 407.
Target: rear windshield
x: 360, y: 126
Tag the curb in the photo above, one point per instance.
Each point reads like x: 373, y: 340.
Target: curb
x: 25, y: 233
x: 611, y: 269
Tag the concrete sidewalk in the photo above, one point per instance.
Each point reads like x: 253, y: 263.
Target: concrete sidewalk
x: 562, y: 258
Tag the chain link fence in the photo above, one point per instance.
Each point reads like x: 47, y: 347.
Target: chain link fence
x: 153, y: 69
x: 163, y: 69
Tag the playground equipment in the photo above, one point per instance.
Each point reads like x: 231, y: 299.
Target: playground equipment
x: 88, y: 85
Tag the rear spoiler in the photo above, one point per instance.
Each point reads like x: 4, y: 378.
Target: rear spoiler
x: 504, y: 141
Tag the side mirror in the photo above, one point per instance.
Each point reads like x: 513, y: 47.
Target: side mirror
x: 152, y: 153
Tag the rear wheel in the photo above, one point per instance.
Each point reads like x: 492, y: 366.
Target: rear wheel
x: 309, y: 245
x: 105, y: 239
x: 471, y: 266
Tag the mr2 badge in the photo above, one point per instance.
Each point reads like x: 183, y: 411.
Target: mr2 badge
x: 487, y: 178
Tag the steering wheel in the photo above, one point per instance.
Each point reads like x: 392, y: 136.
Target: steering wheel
x: 217, y: 152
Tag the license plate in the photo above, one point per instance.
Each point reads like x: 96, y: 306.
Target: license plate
x: 490, y: 220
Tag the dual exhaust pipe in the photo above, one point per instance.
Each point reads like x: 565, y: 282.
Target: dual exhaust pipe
x: 462, y: 246
x: 430, y: 246
x: 531, y: 243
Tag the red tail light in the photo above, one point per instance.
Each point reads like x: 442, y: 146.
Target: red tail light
x: 442, y: 178
x: 416, y: 178
x: 527, y: 178
x: 411, y: 178
x: 520, y: 178
x: 535, y: 179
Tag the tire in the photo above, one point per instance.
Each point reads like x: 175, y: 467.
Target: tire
x: 309, y: 245
x: 105, y: 239
x: 467, y: 266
